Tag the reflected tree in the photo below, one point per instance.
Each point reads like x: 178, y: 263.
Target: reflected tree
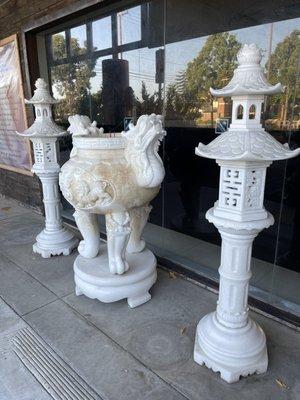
x: 72, y: 81
x: 284, y: 67
x: 149, y: 103
x: 212, y: 67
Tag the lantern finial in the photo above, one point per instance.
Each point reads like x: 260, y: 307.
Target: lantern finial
x: 249, y: 54
x: 248, y: 78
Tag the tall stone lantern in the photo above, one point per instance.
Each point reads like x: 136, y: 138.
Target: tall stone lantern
x: 228, y: 340
x: 54, y: 239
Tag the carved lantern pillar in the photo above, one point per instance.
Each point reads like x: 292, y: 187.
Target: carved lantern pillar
x: 54, y: 239
x: 228, y: 340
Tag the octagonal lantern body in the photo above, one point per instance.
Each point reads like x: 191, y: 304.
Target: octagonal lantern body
x: 241, y: 190
x: 45, y: 154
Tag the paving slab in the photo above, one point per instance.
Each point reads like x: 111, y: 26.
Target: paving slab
x: 161, y: 335
x: 20, y: 230
x: 104, y: 365
x: 19, y: 233
x: 10, y: 208
x: 20, y: 290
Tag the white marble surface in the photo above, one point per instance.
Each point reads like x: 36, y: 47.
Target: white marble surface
x: 228, y: 341
x: 94, y: 279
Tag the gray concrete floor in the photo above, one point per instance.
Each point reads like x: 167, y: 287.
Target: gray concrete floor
x: 54, y: 345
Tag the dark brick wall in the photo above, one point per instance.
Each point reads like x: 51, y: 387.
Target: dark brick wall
x: 23, y: 188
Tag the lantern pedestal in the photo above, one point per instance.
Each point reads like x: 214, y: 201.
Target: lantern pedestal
x: 227, y: 340
x: 54, y: 243
x: 94, y: 279
x: 54, y: 239
x: 233, y: 352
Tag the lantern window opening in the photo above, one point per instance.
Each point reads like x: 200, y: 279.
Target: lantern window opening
x: 252, y: 111
x: 240, y: 112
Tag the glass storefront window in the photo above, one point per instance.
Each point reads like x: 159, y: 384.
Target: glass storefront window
x: 163, y: 56
x: 129, y: 25
x: 102, y: 33
x: 58, y: 44
x: 78, y: 40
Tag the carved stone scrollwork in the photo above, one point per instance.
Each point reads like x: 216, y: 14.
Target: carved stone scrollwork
x: 85, y: 191
x: 253, y: 185
x: 116, y: 224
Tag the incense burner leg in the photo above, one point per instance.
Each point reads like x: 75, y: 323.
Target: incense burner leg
x: 88, y: 226
x: 118, y: 231
x: 138, y: 220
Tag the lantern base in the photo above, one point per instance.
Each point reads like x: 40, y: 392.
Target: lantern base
x: 54, y: 243
x: 94, y: 280
x: 233, y: 352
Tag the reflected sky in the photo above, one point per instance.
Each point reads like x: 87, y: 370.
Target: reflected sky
x: 178, y: 55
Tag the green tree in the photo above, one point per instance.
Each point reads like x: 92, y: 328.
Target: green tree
x: 72, y: 81
x: 213, y: 67
x: 283, y: 66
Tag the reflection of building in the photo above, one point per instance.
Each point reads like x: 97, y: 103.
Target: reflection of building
x: 224, y: 108
x: 123, y: 61
x: 221, y: 109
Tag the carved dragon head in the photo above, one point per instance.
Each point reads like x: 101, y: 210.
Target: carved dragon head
x: 141, y: 150
x: 81, y: 125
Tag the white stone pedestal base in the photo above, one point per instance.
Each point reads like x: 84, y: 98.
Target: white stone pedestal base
x: 232, y: 352
x: 53, y: 243
x: 94, y: 280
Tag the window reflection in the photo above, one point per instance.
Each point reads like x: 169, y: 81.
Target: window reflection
x: 102, y: 33
x: 195, y: 65
x: 58, y: 45
x: 240, y: 112
x: 129, y: 25
x: 78, y: 40
x: 96, y: 89
x: 252, y: 112
x: 71, y: 85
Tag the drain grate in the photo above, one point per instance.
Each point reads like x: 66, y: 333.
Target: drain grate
x: 57, y: 378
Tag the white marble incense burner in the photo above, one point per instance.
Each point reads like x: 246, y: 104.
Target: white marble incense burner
x: 116, y: 175
x: 228, y: 340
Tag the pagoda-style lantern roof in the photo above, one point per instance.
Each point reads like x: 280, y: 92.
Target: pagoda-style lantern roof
x: 246, y: 139
x: 41, y: 94
x: 44, y: 125
x: 248, y: 77
x: 256, y: 146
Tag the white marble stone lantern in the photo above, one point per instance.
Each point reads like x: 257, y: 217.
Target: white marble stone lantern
x: 228, y: 340
x: 54, y: 239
